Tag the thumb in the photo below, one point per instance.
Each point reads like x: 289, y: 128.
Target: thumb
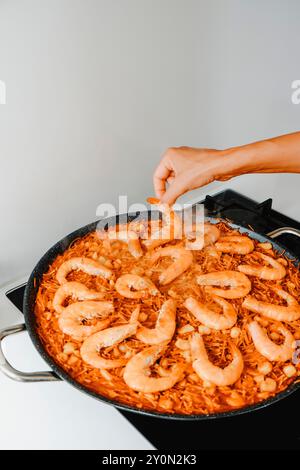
x: 175, y: 189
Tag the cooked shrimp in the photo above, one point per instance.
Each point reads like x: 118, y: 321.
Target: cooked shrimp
x: 211, y: 234
x: 208, y: 317
x: 137, y: 368
x: 276, y: 272
x: 76, y: 290
x: 235, y: 244
x: 239, y: 284
x: 90, y: 349
x: 89, y: 266
x: 129, y: 237
x: 71, y: 321
x: 276, y: 312
x: 212, y: 251
x: 164, y: 328
x: 171, y: 229
x: 208, y: 371
x: 204, y: 234
x: 142, y: 286
x: 182, y: 261
x: 267, y: 347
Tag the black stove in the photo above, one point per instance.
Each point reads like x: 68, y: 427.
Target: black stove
x: 275, y: 427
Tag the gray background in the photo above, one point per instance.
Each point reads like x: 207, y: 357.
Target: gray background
x: 96, y: 90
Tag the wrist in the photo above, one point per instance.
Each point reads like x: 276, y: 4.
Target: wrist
x: 252, y: 158
x: 232, y: 162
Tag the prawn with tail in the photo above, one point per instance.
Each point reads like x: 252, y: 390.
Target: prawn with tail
x: 137, y: 370
x: 91, y: 347
x: 182, y: 260
x: 208, y: 317
x: 235, y: 244
x: 288, y: 313
x: 203, y: 235
x: 211, y: 373
x: 267, y: 348
x: 273, y: 273
x: 75, y: 290
x: 238, y: 283
x: 131, y: 238
x: 164, y: 328
x: 71, y: 321
x: 133, y: 286
x: 87, y: 265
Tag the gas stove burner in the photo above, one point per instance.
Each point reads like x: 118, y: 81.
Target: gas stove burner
x: 260, y: 217
x: 229, y: 200
x: 226, y: 433
x: 245, y: 218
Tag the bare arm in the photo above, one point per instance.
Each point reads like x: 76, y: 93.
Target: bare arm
x: 186, y: 168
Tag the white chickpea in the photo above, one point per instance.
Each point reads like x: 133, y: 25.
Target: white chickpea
x: 259, y: 378
x: 182, y: 344
x: 265, y: 368
x: 235, y: 332
x: 268, y: 385
x: 204, y: 330
x: 186, y: 329
x: 69, y: 348
x: 207, y: 384
x: 289, y: 370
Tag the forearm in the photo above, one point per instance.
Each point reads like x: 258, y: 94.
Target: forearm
x: 277, y: 155
x: 186, y: 168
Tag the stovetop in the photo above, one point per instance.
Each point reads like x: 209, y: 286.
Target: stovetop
x: 274, y: 427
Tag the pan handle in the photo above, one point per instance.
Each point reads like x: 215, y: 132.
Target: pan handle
x: 15, y: 374
x: 281, y: 231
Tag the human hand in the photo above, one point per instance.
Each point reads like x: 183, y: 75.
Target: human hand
x: 186, y: 168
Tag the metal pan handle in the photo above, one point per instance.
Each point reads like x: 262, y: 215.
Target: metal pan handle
x: 15, y: 374
x: 281, y: 231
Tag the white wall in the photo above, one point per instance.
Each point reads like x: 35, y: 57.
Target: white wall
x: 96, y: 90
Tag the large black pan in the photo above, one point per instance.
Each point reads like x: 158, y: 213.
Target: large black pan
x: 58, y: 373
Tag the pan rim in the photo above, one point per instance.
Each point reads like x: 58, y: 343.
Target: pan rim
x: 60, y: 247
